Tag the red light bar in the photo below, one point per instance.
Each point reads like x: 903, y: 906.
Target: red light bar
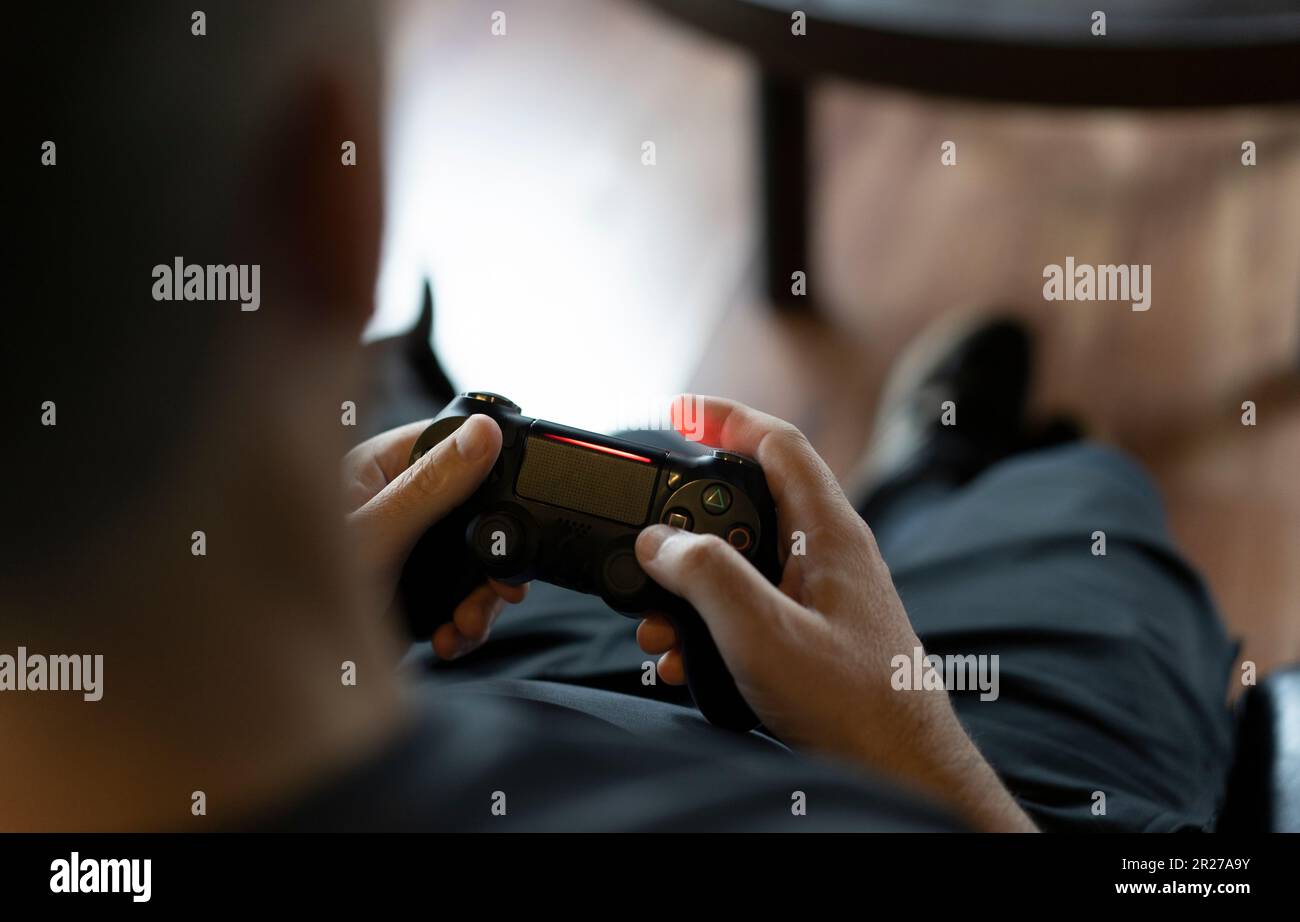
x: 601, y: 448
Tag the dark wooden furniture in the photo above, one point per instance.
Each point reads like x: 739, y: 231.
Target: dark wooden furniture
x: 1155, y: 53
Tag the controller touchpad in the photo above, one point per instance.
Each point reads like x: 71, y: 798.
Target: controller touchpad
x: 588, y: 478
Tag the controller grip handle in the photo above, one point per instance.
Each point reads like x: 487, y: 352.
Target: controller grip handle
x: 426, y: 601
x: 712, y: 687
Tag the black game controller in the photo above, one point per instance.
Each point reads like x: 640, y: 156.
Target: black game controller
x: 565, y: 506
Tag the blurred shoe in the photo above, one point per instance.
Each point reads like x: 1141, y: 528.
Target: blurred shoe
x: 954, y: 404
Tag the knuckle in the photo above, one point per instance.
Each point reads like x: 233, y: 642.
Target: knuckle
x: 788, y: 444
x: 430, y: 477
x: 790, y: 436
x: 704, y: 553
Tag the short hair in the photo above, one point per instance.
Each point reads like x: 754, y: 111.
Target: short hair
x: 154, y: 132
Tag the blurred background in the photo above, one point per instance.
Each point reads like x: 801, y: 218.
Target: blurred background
x: 564, y: 266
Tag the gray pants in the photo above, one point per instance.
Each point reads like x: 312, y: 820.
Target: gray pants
x: 1112, y: 670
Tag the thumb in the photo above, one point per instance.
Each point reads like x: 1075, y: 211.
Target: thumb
x: 438, y: 482
x: 734, y: 599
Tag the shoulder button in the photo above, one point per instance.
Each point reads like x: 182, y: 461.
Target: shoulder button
x: 489, y: 397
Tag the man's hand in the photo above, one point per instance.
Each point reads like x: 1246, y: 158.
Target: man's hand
x: 390, y: 506
x: 813, y: 657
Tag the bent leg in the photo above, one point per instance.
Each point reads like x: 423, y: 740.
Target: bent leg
x: 1112, y: 670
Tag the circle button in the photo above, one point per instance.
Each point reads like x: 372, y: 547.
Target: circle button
x: 741, y: 538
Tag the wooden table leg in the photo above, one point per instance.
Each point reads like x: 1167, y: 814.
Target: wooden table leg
x: 783, y: 127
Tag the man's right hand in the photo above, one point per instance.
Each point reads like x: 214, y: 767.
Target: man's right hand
x: 813, y: 657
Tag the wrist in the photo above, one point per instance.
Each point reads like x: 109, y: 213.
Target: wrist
x: 931, y: 753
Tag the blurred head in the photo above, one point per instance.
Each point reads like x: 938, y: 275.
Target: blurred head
x: 173, y: 416
x: 138, y: 422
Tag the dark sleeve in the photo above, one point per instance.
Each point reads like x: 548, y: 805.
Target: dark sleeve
x: 552, y: 768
